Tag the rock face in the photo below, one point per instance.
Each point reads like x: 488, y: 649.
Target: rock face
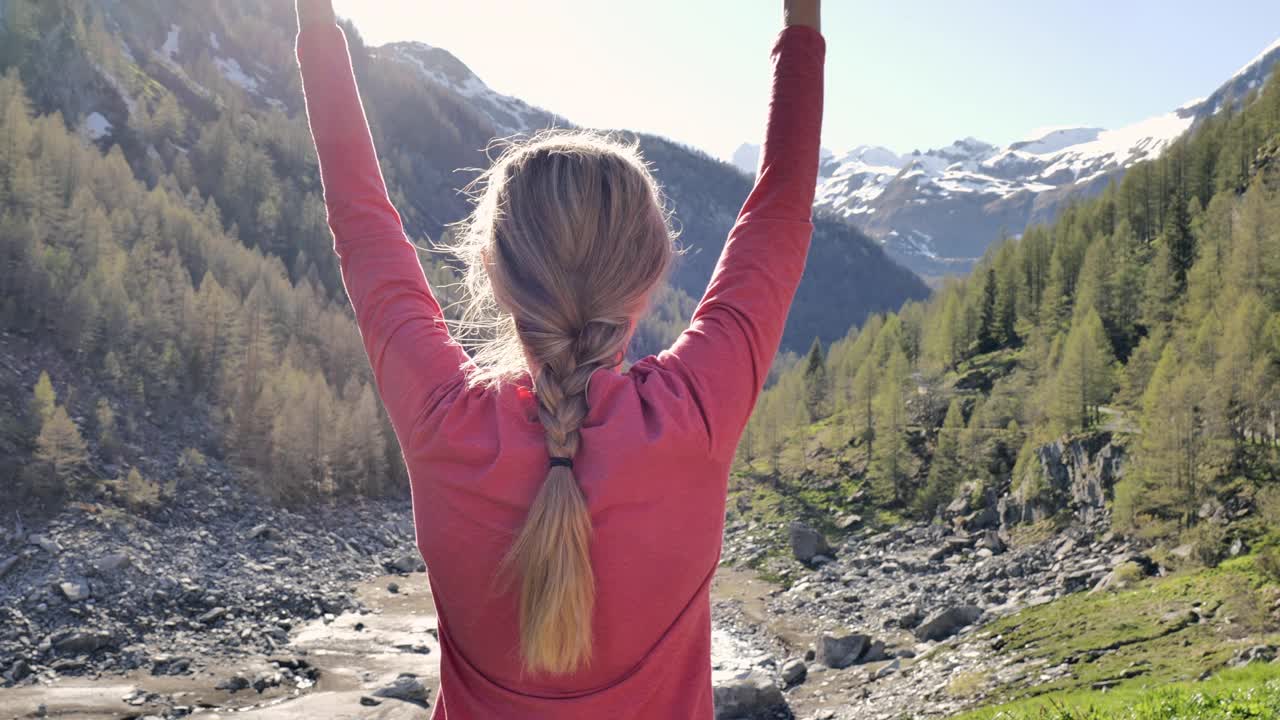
x: 807, y: 543
x: 752, y: 697
x: 1075, y: 475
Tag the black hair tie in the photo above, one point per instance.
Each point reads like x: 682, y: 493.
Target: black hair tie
x: 562, y: 462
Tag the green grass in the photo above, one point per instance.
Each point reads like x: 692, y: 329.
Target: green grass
x: 1145, y: 646
x: 1248, y: 692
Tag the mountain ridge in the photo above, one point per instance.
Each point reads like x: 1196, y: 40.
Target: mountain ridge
x: 937, y: 210
x: 193, y: 55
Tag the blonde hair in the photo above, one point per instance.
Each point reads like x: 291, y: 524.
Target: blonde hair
x: 568, y: 238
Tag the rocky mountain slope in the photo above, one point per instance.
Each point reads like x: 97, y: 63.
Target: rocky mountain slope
x: 433, y: 120
x: 937, y: 210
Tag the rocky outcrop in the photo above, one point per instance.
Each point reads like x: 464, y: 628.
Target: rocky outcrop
x: 1074, y: 475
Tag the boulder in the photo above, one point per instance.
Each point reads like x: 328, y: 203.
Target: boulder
x: 844, y: 522
x: 753, y: 696
x: 407, y: 563
x: 1253, y: 654
x: 7, y: 564
x: 841, y: 652
x: 407, y: 688
x: 263, y: 532
x: 213, y: 615
x: 45, y: 543
x: 992, y: 541
x: 981, y: 519
x: 794, y: 671
x: 80, y: 641
x: 887, y: 670
x: 17, y: 671
x: 234, y: 684
x: 75, y: 590
x: 948, y: 622
x: 911, y: 618
x: 111, y: 563
x: 807, y: 543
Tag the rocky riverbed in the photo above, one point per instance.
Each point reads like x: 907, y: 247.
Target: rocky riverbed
x: 879, y: 626
x: 221, y: 605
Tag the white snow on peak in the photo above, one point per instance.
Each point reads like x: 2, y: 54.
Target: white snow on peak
x: 213, y: 40
x: 170, y: 47
x: 1051, y: 140
x: 96, y: 126
x: 1249, y: 65
x: 510, y: 115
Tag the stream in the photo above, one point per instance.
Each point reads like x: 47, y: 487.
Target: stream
x: 344, y: 662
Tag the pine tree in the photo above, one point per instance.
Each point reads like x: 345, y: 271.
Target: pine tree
x: 988, y: 331
x: 815, y: 382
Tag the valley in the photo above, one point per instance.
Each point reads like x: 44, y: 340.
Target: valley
x: 1046, y: 488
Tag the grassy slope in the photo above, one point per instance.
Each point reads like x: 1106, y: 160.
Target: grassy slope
x: 1147, y: 646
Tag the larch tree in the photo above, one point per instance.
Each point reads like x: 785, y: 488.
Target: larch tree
x: 61, y: 454
x: 1086, y: 377
x: 889, y: 461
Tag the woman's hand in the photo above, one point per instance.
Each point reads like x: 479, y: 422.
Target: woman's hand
x: 799, y: 12
x: 314, y: 12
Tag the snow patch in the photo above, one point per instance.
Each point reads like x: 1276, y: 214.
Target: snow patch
x: 96, y: 126
x: 213, y: 40
x: 231, y: 70
x: 170, y: 47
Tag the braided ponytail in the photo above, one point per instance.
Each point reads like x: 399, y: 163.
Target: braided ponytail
x: 567, y: 241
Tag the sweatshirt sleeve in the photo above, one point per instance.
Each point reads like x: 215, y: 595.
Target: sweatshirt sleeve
x: 726, y: 352
x: 400, y: 321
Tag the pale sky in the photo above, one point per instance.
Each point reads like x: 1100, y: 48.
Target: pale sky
x: 906, y: 74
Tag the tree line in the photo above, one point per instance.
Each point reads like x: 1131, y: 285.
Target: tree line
x: 1151, y: 310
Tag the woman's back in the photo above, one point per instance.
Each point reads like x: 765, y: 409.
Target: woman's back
x: 646, y: 453
x: 656, y: 499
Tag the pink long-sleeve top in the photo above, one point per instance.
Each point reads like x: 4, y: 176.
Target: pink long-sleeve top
x: 657, y: 442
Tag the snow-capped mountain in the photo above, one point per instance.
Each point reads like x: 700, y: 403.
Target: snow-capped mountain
x: 509, y: 115
x: 937, y: 211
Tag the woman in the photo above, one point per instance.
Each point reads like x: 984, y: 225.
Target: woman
x: 570, y: 515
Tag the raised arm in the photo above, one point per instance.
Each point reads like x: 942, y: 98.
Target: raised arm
x: 726, y: 352
x: 400, y: 321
